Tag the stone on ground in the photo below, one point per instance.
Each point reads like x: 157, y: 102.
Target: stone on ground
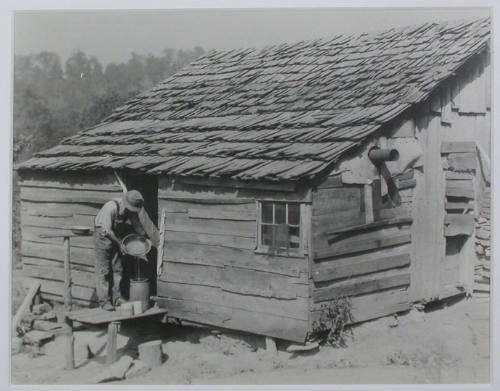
x: 36, y: 337
x: 138, y: 368
x: 115, y: 371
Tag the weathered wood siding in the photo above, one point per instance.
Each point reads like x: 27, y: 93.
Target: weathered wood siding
x: 368, y: 263
x: 50, y: 205
x: 212, y: 273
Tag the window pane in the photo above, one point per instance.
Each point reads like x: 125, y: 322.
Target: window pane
x: 280, y: 213
x: 267, y: 212
x: 294, y: 237
x: 267, y: 235
x: 282, y: 237
x: 294, y: 214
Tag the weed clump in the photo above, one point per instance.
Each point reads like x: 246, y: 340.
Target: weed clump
x: 331, y: 326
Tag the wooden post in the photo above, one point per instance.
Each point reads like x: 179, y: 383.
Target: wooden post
x: 111, y: 354
x: 70, y: 344
x: 368, y: 195
x: 25, y: 304
x: 67, y: 275
x: 159, y: 259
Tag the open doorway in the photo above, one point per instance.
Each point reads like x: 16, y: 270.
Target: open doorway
x: 147, y: 185
x: 455, y: 261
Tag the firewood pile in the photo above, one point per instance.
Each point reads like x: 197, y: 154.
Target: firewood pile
x: 35, y: 329
x: 482, y: 240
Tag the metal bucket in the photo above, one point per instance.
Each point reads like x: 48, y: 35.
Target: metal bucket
x: 139, y: 291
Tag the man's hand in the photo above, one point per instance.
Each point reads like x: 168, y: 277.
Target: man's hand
x: 123, y: 249
x: 115, y: 239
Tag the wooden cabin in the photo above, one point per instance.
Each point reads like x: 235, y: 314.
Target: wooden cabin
x: 289, y: 176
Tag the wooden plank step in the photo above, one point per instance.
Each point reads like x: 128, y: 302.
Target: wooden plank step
x: 99, y: 316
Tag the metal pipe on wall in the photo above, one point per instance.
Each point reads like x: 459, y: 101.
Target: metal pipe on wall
x: 379, y: 155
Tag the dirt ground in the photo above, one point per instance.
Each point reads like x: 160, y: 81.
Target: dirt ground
x: 445, y: 344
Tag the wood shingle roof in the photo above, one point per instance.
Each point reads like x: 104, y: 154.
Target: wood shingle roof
x: 285, y: 112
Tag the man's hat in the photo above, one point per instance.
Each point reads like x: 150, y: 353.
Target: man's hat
x: 133, y: 200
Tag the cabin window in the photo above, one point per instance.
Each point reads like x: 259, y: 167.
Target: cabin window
x: 279, y: 227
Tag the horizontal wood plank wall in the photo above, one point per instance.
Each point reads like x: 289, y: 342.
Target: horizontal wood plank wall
x: 212, y: 273
x: 50, y: 205
x: 369, y: 264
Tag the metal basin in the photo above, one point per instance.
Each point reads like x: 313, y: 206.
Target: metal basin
x: 136, y: 245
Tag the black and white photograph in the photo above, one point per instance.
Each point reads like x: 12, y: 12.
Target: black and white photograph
x: 251, y: 196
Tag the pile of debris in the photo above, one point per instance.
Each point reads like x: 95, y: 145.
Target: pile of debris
x: 34, y: 329
x: 483, y: 232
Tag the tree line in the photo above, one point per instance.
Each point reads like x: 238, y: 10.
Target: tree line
x: 53, y: 100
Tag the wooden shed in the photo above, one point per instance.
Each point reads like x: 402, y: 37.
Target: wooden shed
x: 289, y: 176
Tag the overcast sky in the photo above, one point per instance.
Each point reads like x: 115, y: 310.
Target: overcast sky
x: 113, y: 35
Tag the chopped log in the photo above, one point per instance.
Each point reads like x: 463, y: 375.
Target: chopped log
x: 111, y: 353
x: 35, y: 287
x: 271, y: 346
x: 151, y: 353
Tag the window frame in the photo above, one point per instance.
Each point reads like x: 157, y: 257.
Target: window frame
x: 266, y: 249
